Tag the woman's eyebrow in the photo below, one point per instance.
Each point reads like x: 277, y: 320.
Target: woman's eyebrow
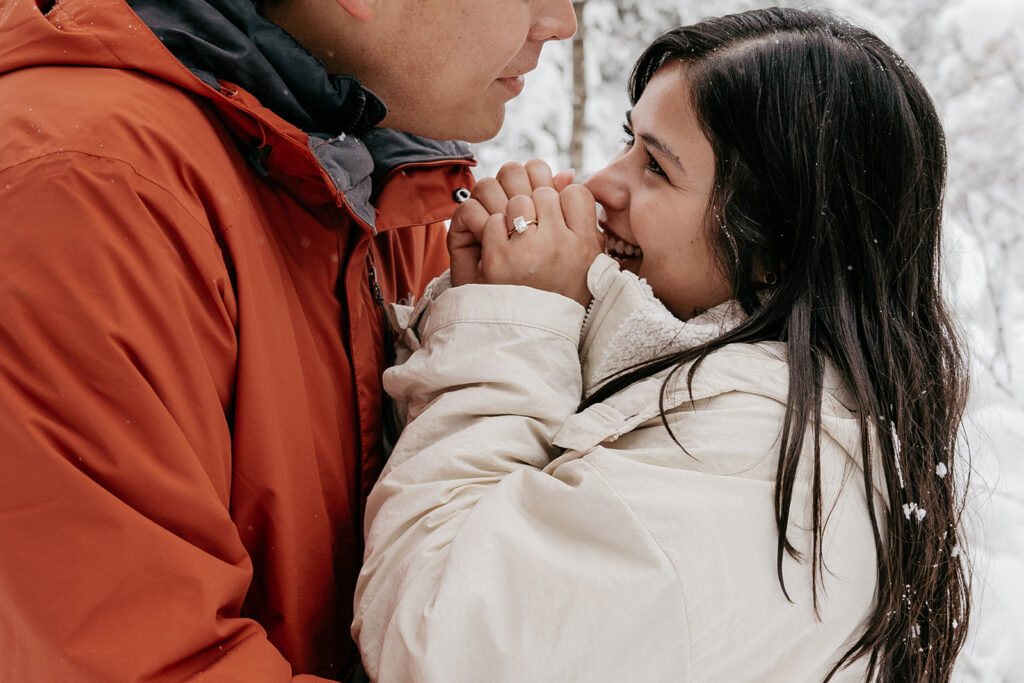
x: 652, y: 141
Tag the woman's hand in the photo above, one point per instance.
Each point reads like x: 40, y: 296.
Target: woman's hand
x: 490, y: 196
x: 555, y: 250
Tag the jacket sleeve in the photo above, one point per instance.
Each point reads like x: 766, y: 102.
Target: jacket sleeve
x: 480, y: 565
x: 120, y: 559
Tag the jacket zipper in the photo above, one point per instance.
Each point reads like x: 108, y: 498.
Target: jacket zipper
x: 378, y: 298
x: 391, y: 423
x: 587, y: 320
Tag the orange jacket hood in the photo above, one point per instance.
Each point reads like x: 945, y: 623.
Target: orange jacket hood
x: 293, y: 118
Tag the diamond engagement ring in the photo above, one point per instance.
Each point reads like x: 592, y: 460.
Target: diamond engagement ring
x: 520, y: 224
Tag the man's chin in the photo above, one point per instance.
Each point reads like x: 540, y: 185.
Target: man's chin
x: 479, y: 128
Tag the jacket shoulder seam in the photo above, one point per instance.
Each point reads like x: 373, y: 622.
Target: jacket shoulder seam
x: 135, y: 172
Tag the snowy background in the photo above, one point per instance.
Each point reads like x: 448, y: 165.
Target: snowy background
x: 970, y: 53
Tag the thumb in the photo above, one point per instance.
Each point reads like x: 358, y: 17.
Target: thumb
x: 463, y: 240
x: 564, y: 179
x: 468, y: 221
x: 579, y: 209
x: 464, y: 256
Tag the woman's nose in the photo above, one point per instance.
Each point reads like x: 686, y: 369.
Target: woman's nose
x: 556, y: 20
x: 608, y: 188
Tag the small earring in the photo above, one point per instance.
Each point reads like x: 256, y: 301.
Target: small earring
x: 770, y: 278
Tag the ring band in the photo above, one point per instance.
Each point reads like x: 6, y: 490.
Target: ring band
x: 520, y: 224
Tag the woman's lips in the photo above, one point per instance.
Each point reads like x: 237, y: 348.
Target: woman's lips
x: 622, y: 249
x: 618, y: 248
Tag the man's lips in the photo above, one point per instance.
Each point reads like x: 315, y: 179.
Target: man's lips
x: 514, y: 83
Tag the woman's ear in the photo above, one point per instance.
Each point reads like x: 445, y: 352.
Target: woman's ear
x: 361, y: 10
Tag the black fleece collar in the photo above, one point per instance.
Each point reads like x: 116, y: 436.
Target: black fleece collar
x: 231, y: 40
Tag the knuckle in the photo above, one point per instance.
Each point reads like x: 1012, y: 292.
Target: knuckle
x: 545, y: 193
x: 509, y: 167
x: 577, y: 192
x: 482, y: 187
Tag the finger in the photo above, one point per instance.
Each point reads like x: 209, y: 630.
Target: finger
x: 464, y: 263
x: 564, y: 179
x: 548, y: 208
x: 491, y: 195
x: 539, y: 174
x: 461, y: 239
x: 579, y: 209
x: 514, y: 179
x: 494, y: 242
x: 520, y: 206
x: 469, y: 218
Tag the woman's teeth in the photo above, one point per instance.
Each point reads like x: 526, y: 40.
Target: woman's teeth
x: 616, y: 247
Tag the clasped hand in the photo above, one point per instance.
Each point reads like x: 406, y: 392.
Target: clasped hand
x: 552, y: 254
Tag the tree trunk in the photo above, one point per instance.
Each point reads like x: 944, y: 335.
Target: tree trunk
x: 579, y: 90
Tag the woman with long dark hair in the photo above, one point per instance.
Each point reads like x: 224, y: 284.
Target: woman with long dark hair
x: 727, y: 448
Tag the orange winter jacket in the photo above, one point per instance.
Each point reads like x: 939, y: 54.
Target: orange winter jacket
x: 190, y: 341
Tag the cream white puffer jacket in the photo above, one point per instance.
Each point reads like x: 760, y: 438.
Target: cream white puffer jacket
x: 511, y: 539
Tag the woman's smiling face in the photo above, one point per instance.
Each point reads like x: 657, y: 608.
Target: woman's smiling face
x: 655, y: 195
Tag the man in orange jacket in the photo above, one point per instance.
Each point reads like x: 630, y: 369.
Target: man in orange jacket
x: 204, y: 207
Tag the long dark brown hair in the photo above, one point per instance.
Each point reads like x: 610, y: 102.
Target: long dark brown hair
x: 830, y: 170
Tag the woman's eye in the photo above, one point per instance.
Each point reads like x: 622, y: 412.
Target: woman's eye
x: 653, y: 166
x: 628, y: 139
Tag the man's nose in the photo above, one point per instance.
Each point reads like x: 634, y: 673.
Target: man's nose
x: 556, y: 20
